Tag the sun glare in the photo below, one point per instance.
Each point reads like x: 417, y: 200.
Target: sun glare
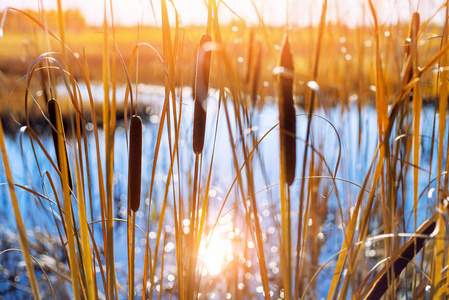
x: 132, y: 12
x: 215, y: 254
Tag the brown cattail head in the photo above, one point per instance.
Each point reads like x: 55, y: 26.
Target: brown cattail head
x: 250, y: 56
x: 257, y: 74
x: 55, y: 116
x: 200, y: 90
x: 287, y: 114
x: 135, y: 163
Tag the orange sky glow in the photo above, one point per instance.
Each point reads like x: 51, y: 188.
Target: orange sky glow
x: 297, y: 12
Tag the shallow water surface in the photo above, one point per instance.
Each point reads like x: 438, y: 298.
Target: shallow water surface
x: 335, y: 140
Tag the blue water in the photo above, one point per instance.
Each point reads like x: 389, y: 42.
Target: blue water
x: 354, y: 164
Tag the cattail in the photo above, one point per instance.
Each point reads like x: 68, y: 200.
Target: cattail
x: 287, y: 116
x: 401, y: 259
x: 135, y: 162
x: 200, y: 89
x: 257, y: 74
x: 250, y: 56
x: 54, y: 114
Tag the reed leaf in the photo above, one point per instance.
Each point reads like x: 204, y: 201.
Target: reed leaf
x: 417, y: 107
x: 439, y: 252
x: 54, y: 115
x: 86, y: 253
x: 352, y: 226
x: 109, y: 148
x: 24, y: 244
x: 360, y: 65
x: 399, y: 261
x: 68, y: 209
x: 381, y: 101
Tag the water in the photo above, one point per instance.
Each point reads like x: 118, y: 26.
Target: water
x: 230, y: 233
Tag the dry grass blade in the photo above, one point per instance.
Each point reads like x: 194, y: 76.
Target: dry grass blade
x: 287, y: 117
x: 54, y: 114
x: 400, y: 260
x: 86, y: 253
x: 135, y: 162
x: 381, y: 101
x: 444, y: 61
x: 169, y: 61
x: 417, y: 107
x: 351, y: 227
x: 440, y: 245
x: 200, y: 90
x: 108, y: 127
x: 18, y: 217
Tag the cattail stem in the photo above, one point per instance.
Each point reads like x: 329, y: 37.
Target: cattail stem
x: 54, y: 114
x: 287, y: 136
x: 134, y: 189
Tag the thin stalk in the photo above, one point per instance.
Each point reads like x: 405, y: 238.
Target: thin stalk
x: 17, y: 215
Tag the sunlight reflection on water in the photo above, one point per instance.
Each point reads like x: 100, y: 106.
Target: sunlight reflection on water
x: 223, y: 250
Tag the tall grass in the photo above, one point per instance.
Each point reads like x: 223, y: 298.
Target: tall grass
x: 314, y: 230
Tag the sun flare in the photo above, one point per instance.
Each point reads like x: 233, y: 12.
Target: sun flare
x: 236, y: 149
x: 215, y: 254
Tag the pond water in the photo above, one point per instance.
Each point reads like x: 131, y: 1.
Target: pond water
x: 217, y: 271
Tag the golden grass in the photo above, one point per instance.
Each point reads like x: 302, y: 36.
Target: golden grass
x: 20, y: 225
x: 54, y: 114
x: 306, y: 68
